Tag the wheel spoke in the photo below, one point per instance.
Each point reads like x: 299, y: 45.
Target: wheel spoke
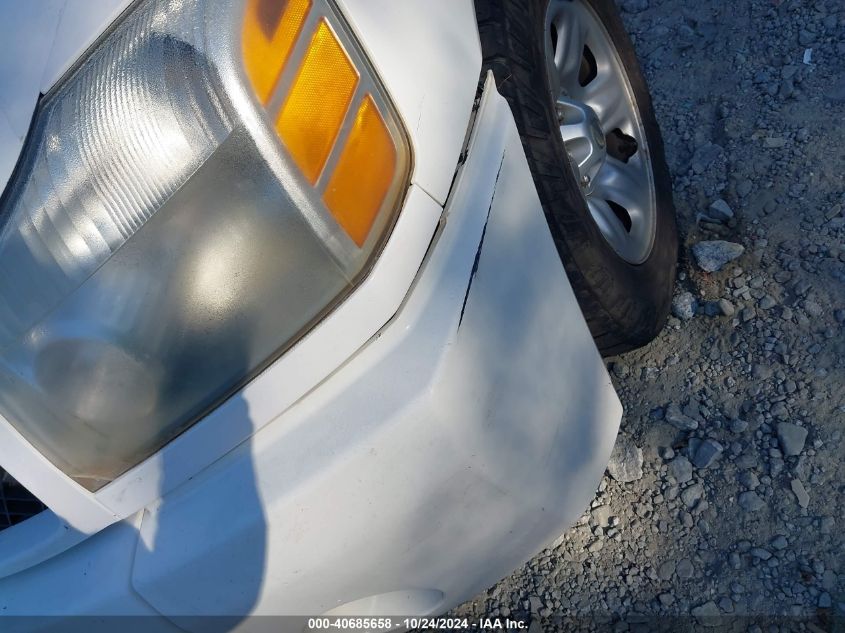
x: 615, y: 115
x: 625, y: 185
x: 607, y: 97
x: 571, y: 36
x: 609, y: 224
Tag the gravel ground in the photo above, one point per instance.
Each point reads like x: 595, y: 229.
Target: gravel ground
x: 733, y: 507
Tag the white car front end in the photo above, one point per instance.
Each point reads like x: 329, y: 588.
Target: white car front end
x: 438, y: 426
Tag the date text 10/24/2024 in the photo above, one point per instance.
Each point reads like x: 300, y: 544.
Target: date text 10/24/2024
x: 439, y: 624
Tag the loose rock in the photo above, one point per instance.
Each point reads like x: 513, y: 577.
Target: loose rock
x: 721, y: 211
x: 800, y: 493
x: 666, y: 570
x: 684, y: 306
x: 713, y: 255
x: 678, y: 419
x: 749, y: 479
x: 726, y: 307
x: 708, y: 452
x: 601, y: 515
x: 707, y: 614
x: 626, y: 461
x: 691, y: 495
x: 684, y: 569
x: 791, y: 438
x: 681, y: 469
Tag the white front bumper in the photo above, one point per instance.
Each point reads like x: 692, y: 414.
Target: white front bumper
x: 465, y: 436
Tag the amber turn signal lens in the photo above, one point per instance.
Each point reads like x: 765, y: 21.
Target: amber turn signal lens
x: 316, y: 106
x: 271, y: 28
x: 329, y: 113
x: 363, y: 174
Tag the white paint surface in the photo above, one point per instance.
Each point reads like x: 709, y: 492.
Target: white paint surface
x: 450, y: 449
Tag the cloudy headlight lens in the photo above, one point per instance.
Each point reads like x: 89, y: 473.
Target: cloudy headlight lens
x: 195, y: 196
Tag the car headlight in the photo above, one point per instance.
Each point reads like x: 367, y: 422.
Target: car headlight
x: 197, y: 193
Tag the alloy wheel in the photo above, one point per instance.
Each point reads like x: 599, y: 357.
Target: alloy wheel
x: 601, y: 128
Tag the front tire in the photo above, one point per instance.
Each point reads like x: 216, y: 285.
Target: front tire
x: 584, y: 114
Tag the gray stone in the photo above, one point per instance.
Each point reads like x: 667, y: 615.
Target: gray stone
x: 800, y: 493
x: 692, y: 446
x: 692, y: 494
x: 684, y: 568
x: 748, y: 479
x: 684, y: 306
x: 681, y: 469
x: 711, y: 256
x: 666, y: 570
x: 812, y: 308
x: 750, y: 501
x: 738, y: 425
x: 601, y: 515
x: 767, y: 303
x: 678, y: 419
x: 726, y: 307
x: 626, y: 461
x: 762, y: 554
x: 721, y: 210
x: 707, y: 614
x: 779, y: 542
x: 791, y: 438
x: 708, y: 452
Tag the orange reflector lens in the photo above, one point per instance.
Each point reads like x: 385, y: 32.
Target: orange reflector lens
x: 363, y: 174
x: 313, y: 113
x: 331, y: 115
x: 271, y: 28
